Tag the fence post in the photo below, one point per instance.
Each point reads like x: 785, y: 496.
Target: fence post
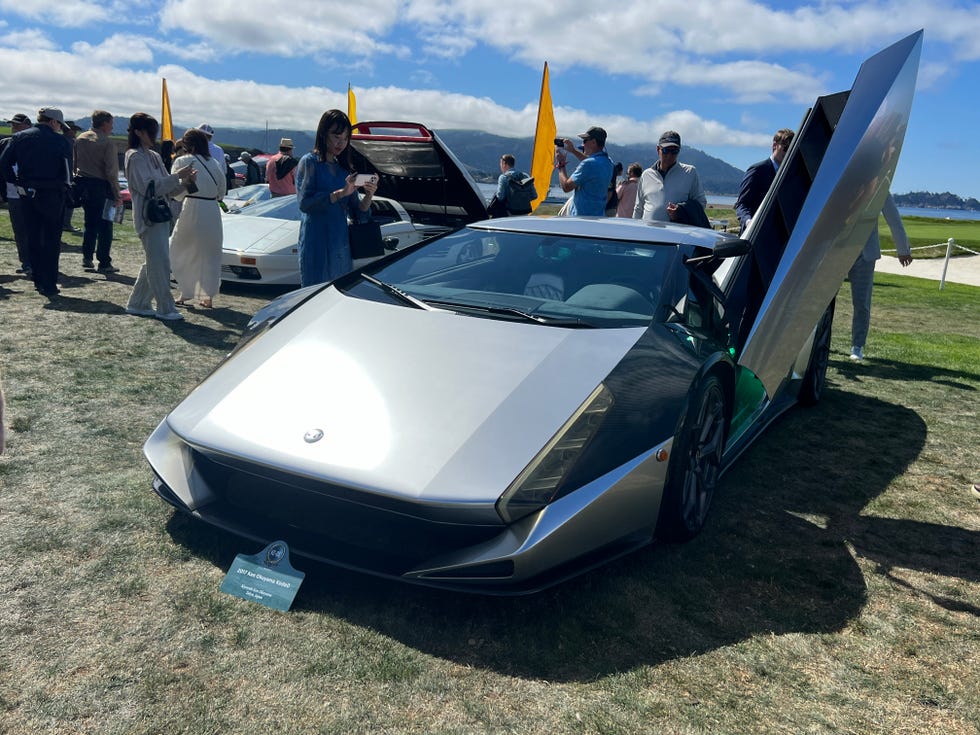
x: 949, y: 250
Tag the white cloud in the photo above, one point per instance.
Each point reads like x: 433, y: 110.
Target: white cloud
x: 62, y: 13
x: 749, y: 55
x: 27, y: 40
x: 299, y: 28
x: 117, y: 50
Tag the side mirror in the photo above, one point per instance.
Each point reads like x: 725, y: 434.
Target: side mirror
x: 732, y: 248
x: 391, y: 243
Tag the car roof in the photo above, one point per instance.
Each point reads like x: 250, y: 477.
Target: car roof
x: 610, y: 228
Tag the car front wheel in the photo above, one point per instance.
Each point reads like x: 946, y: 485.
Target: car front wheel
x: 815, y: 377
x: 695, y: 463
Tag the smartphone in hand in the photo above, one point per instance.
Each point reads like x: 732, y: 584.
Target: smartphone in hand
x: 363, y: 179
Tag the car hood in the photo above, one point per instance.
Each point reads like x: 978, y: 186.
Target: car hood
x: 417, y: 169
x: 459, y: 420
x: 256, y: 235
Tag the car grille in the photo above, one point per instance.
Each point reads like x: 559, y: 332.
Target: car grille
x: 329, y: 522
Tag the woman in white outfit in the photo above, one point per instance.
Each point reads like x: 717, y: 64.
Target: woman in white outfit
x: 143, y: 167
x: 195, y: 245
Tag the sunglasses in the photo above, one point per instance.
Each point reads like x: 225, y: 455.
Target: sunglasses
x: 670, y: 151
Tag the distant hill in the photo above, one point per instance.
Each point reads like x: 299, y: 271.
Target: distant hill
x: 481, y: 153
x: 928, y: 200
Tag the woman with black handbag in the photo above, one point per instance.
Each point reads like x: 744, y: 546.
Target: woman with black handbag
x: 151, y: 186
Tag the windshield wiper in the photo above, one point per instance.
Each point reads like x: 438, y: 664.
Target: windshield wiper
x: 551, y: 321
x: 397, y: 293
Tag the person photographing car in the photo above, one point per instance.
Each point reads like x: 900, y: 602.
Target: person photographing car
x: 589, y: 183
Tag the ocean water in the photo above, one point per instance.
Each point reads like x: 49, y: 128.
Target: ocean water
x: 556, y: 193
x: 950, y: 214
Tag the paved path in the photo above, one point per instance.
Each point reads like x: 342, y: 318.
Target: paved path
x: 964, y: 269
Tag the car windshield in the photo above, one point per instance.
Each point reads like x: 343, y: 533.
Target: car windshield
x: 285, y: 207
x: 562, y: 280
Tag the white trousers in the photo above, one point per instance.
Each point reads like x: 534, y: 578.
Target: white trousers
x: 153, y: 282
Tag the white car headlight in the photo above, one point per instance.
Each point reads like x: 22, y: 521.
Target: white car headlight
x: 537, y: 485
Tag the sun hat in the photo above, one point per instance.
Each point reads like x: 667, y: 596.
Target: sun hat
x: 52, y: 113
x: 670, y: 139
x: 596, y: 133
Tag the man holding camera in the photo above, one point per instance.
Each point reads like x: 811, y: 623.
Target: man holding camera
x: 589, y: 181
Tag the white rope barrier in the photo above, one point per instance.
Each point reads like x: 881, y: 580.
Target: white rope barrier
x: 938, y: 245
x: 950, y: 244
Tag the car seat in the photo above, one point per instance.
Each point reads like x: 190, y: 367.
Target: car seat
x: 545, y: 286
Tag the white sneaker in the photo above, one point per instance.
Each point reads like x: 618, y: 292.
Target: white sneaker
x: 140, y: 312
x: 857, y: 354
x: 173, y: 316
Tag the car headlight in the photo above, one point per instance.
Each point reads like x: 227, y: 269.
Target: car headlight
x: 272, y: 312
x: 538, y: 484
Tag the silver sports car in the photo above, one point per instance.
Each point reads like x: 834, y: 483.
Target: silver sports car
x: 512, y: 403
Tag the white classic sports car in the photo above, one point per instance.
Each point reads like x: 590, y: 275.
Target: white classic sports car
x: 261, y: 239
x: 511, y: 403
x: 423, y: 190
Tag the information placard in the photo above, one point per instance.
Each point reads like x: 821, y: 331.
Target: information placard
x: 266, y: 578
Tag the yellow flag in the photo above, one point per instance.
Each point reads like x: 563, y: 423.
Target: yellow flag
x: 351, y: 105
x: 543, y: 155
x: 166, y: 121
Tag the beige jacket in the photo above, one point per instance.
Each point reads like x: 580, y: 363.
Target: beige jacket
x: 142, y: 167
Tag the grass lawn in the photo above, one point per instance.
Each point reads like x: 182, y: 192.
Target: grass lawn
x: 836, y: 588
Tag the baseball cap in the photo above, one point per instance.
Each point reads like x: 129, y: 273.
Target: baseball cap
x: 52, y: 113
x: 206, y: 129
x: 596, y: 133
x: 669, y: 139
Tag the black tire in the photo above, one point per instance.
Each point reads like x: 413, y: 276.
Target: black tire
x: 815, y: 377
x: 695, y: 463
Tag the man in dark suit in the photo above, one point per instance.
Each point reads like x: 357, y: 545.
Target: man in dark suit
x: 759, y: 178
x: 38, y: 162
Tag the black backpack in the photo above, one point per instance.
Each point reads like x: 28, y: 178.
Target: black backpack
x: 284, y: 165
x: 520, y: 194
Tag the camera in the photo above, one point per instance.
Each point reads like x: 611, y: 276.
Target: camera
x: 559, y: 142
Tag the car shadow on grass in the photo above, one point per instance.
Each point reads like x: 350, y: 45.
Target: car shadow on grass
x: 223, y: 338
x: 779, y: 555
x: 884, y: 369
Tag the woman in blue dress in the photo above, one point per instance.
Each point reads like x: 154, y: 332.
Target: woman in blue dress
x: 326, y: 193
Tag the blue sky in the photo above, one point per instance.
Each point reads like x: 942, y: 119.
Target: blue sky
x: 725, y: 75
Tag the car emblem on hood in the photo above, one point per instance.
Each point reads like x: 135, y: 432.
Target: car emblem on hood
x: 313, y: 435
